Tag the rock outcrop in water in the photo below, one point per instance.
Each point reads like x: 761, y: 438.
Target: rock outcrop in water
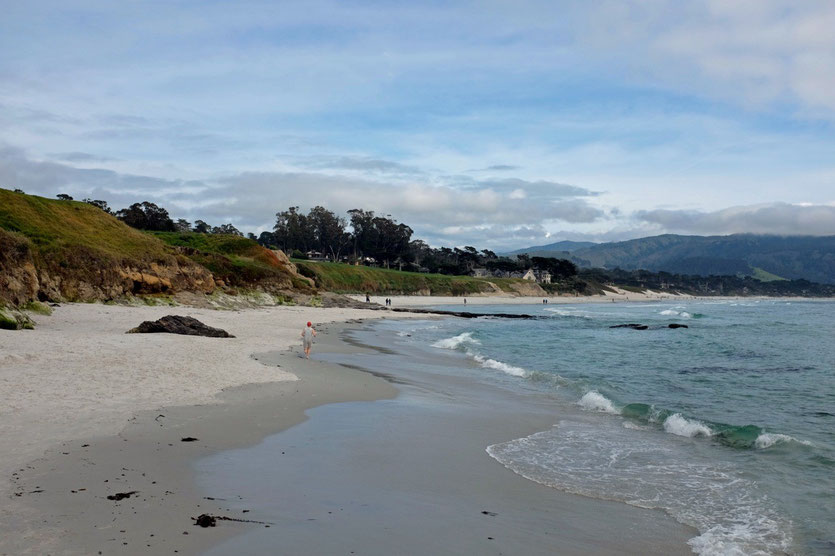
x: 176, y: 324
x: 637, y: 326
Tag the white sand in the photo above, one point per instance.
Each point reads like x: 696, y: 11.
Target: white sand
x: 79, y: 375
x: 430, y: 300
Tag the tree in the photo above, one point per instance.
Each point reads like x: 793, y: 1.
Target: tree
x: 227, y: 229
x: 99, y: 204
x: 64, y: 197
x: 362, y: 222
x: 267, y: 239
x: 328, y: 231
x: 202, y: 227
x: 182, y: 225
x: 292, y: 230
x: 146, y: 216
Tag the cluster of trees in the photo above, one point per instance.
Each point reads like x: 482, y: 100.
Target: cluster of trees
x: 151, y: 217
x: 380, y: 238
x: 362, y: 236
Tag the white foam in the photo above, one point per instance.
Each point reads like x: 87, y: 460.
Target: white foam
x: 767, y: 440
x: 604, y: 461
x: 674, y: 313
x: 681, y: 426
x: 595, y: 401
x: 568, y: 312
x: 456, y: 341
x: 488, y: 363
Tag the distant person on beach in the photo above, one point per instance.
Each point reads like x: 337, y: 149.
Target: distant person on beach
x: 308, y: 333
x: 465, y: 301
x: 367, y: 298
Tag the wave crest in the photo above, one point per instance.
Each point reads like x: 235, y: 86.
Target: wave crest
x: 679, y: 425
x: 595, y: 401
x: 456, y: 341
x: 767, y: 440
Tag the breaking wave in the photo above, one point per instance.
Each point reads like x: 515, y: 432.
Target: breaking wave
x: 606, y: 462
x: 456, y: 341
x: 464, y: 342
x: 595, y: 401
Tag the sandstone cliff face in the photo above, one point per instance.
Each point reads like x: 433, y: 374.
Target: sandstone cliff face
x: 23, y: 278
x: 284, y: 261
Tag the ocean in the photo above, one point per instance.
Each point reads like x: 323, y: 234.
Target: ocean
x: 727, y: 425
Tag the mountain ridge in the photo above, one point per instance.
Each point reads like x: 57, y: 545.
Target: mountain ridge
x: 793, y: 257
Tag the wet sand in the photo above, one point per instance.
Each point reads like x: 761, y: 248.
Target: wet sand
x: 428, y: 499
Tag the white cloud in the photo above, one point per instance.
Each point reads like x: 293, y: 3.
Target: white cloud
x: 778, y: 218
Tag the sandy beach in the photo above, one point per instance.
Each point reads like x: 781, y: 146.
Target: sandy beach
x: 617, y: 295
x: 90, y: 412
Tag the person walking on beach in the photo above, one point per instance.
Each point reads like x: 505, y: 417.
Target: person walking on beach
x: 308, y: 334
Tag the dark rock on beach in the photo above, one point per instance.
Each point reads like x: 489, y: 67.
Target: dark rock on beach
x: 205, y: 520
x: 176, y: 324
x: 122, y: 495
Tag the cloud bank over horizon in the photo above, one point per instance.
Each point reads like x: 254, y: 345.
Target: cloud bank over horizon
x: 500, y: 127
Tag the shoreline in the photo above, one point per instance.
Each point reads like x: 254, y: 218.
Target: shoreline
x: 57, y: 502
x: 621, y: 297
x: 416, y: 466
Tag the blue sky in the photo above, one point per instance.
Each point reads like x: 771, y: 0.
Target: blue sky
x: 495, y: 124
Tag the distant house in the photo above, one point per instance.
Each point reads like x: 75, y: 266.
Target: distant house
x: 316, y: 256
x: 534, y: 275
x: 542, y: 276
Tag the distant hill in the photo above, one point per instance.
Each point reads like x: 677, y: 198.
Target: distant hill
x: 790, y: 257
x: 558, y: 250
x: 550, y: 249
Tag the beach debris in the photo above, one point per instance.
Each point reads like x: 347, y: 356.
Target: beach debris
x: 122, y: 495
x: 207, y: 520
x: 177, y: 324
x: 189, y: 439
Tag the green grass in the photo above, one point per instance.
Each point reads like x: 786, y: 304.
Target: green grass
x: 344, y: 278
x: 236, y: 260
x: 56, y: 229
x: 37, y: 307
x: 766, y: 276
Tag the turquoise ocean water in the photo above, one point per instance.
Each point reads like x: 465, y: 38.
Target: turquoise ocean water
x: 728, y: 425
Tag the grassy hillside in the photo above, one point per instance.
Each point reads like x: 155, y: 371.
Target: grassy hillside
x: 343, y: 278
x: 58, y: 230
x: 236, y: 260
x: 68, y: 250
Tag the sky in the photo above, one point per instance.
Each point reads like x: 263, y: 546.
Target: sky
x: 493, y: 124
